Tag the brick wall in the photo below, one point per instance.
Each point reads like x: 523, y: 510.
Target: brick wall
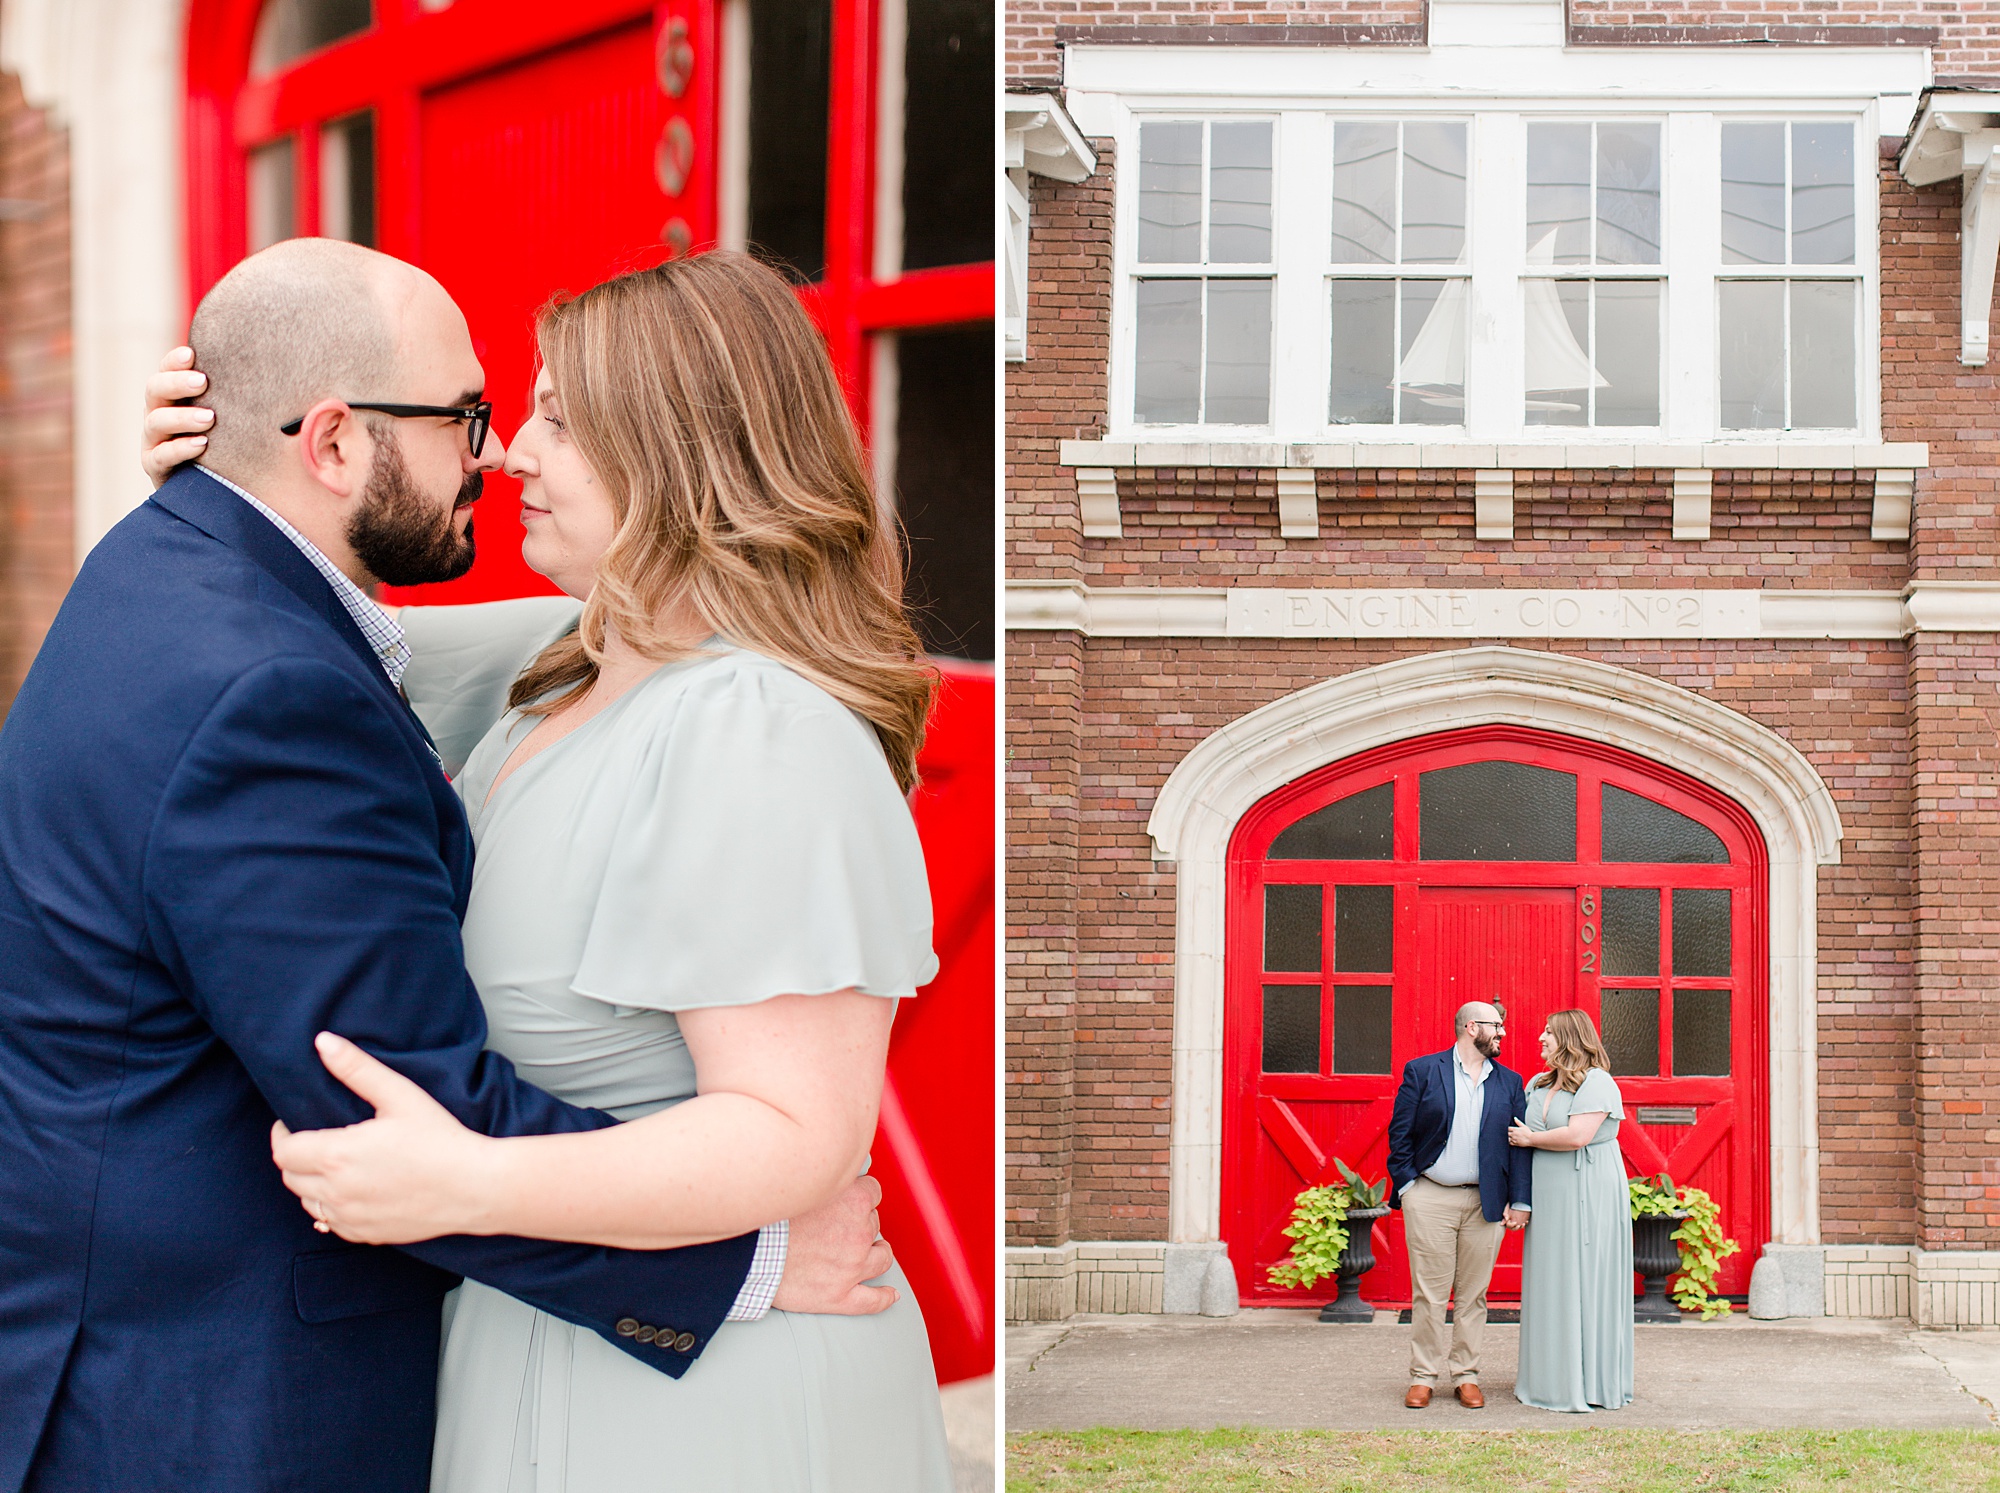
x: 37, y: 542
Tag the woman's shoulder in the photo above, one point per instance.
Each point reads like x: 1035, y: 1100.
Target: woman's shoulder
x: 747, y: 703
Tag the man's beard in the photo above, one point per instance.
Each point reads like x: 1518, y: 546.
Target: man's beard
x: 1489, y: 1047
x: 399, y: 534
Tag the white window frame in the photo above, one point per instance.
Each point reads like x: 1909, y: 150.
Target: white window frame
x: 1691, y: 265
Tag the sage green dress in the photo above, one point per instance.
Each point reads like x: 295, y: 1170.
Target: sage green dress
x: 722, y: 833
x: 1576, y: 1261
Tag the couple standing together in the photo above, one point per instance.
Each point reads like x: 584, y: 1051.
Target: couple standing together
x: 623, y: 1066
x: 1473, y: 1153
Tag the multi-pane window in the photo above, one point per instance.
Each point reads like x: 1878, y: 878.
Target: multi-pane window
x: 1591, y: 339
x: 1677, y: 276
x: 1398, y: 340
x: 1787, y: 342
x: 1206, y: 261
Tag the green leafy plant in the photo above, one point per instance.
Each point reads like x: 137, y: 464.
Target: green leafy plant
x: 1699, y: 1239
x: 1318, y: 1229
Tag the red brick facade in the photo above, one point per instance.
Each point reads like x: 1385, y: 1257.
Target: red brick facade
x: 37, y: 542
x: 1905, y: 735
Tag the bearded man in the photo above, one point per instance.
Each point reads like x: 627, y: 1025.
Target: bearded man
x: 1459, y: 1185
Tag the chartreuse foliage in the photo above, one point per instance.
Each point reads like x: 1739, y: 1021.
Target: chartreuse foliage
x: 1699, y: 1238
x: 1318, y: 1229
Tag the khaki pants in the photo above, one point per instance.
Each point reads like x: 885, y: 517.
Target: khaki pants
x: 1452, y: 1250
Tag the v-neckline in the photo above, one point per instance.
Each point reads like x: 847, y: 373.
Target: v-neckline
x: 503, y: 779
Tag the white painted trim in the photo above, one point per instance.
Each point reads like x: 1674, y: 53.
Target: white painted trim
x: 1720, y: 456
x: 1235, y: 767
x: 1478, y: 614
x: 111, y: 72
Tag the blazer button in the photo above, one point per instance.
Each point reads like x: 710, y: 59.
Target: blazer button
x: 627, y: 1326
x: 647, y: 1333
x: 684, y: 1343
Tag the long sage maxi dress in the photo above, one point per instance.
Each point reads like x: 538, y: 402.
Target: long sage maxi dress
x: 722, y: 833
x: 1576, y: 1261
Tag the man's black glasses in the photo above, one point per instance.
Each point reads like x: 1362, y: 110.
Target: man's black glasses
x: 478, y: 417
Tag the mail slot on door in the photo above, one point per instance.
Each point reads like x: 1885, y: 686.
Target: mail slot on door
x: 1666, y: 1114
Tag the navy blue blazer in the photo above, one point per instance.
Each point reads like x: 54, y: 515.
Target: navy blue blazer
x: 1421, y: 1123
x: 222, y: 830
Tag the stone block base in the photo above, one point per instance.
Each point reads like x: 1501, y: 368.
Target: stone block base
x: 1932, y: 1287
x: 1049, y: 1284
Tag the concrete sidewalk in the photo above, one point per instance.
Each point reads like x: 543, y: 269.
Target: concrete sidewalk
x: 1284, y: 1369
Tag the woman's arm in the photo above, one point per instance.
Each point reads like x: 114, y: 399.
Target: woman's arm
x: 1574, y: 1136
x: 788, y: 1090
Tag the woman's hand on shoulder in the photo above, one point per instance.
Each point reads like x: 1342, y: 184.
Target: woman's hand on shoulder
x: 172, y: 434
x: 413, y: 1172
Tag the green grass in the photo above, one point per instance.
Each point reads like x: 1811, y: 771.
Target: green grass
x: 1467, y: 1461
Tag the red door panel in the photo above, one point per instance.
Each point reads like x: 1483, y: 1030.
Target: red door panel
x: 1672, y: 967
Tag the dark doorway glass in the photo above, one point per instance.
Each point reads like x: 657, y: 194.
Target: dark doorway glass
x: 347, y: 179
x: 1363, y: 929
x: 1631, y: 941
x: 290, y: 29
x: 1701, y: 1032
x: 1291, y: 929
x: 791, y: 62
x: 1632, y: 1030
x: 1361, y: 1024
x: 1291, y: 1028
x: 1355, y: 828
x: 1496, y: 811
x: 1701, y: 931
x: 944, y: 484
x: 947, y: 133
x: 1637, y: 829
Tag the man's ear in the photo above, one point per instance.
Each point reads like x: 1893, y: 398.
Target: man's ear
x: 335, y: 448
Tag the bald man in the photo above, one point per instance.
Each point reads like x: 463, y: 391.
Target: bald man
x: 222, y: 830
x: 1459, y: 1185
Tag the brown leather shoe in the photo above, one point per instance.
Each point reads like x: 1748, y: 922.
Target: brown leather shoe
x: 1470, y: 1397
x: 1418, y: 1397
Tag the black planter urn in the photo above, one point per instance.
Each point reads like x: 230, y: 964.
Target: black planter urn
x: 1655, y: 1256
x: 1355, y: 1261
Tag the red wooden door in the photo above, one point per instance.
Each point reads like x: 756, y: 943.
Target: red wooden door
x: 1371, y: 899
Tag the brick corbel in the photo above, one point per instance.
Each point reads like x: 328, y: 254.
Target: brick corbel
x: 1097, y: 498
x: 1493, y: 504
x: 1298, y: 502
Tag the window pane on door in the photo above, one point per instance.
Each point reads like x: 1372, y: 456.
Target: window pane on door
x: 1355, y: 828
x: 1637, y: 829
x: 1631, y: 930
x: 1292, y: 929
x: 947, y: 132
x: 1701, y: 1032
x: 1364, y: 929
x: 1823, y: 354
x: 347, y: 179
x: 1362, y: 1017
x: 1291, y: 1029
x: 1364, y: 352
x: 1701, y: 931
x: 1496, y: 811
x: 1631, y: 1022
x: 1170, y: 192
x: 1823, y: 192
x: 1238, y: 389
x: 1628, y: 193
x: 1239, y: 193
x: 791, y: 62
x: 1751, y: 319
x: 290, y: 29
x: 273, y: 207
x: 1167, y: 371
x: 1364, y: 194
x: 1753, y: 193
x: 944, y: 484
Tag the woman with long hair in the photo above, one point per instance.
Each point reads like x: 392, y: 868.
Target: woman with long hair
x: 1576, y: 1260
x: 698, y: 899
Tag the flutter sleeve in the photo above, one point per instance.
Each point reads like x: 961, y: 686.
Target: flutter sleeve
x: 763, y: 850
x: 463, y: 660
x: 1598, y: 1093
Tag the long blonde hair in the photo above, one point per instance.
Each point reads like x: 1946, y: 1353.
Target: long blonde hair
x: 702, y: 397
x: 1578, y: 1050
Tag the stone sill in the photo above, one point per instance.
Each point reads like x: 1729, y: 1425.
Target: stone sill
x: 1758, y: 456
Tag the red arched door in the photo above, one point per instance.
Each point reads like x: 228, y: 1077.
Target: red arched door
x: 515, y: 148
x: 1371, y: 899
